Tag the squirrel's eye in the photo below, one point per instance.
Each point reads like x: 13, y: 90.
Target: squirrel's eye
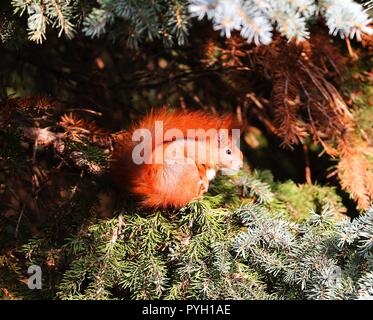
x: 229, y: 151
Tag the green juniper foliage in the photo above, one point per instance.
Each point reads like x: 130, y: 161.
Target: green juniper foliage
x: 167, y: 20
x: 209, y: 253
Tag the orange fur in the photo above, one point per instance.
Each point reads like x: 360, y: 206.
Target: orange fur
x: 166, y: 185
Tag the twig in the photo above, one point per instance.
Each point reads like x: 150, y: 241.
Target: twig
x: 19, y: 220
x: 34, y: 151
x: 351, y: 52
x: 307, y: 170
x: 269, y: 125
x: 83, y: 110
x: 183, y: 76
x: 254, y: 99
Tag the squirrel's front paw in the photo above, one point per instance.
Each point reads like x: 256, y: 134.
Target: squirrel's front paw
x: 203, y: 187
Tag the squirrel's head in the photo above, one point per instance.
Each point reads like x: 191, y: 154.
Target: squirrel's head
x: 230, y: 158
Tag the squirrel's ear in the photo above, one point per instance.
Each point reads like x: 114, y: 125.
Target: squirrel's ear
x: 223, y: 136
x: 227, y: 122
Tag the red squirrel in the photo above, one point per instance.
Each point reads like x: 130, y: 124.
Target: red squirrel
x: 168, y: 158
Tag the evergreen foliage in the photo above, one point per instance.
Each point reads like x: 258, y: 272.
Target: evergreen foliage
x: 210, y: 251
x: 57, y: 13
x: 254, y: 19
x: 169, y: 20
